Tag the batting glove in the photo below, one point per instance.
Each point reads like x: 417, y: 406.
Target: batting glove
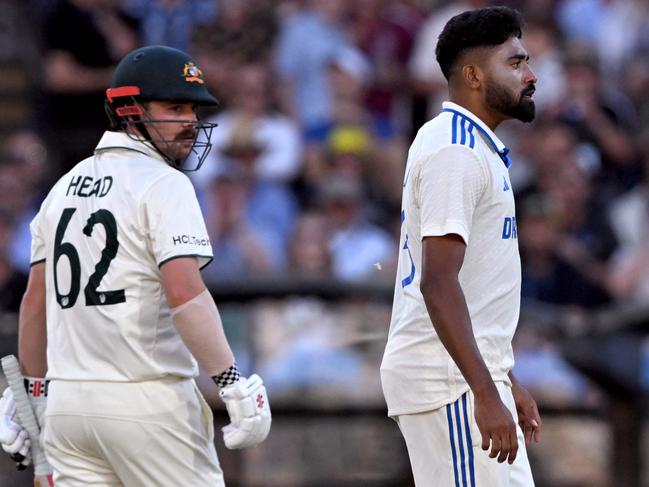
x: 14, y: 439
x: 247, y: 404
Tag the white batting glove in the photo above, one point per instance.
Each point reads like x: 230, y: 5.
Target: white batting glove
x: 13, y: 437
x: 247, y: 404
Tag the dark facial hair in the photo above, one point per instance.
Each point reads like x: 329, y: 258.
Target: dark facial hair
x: 499, y: 99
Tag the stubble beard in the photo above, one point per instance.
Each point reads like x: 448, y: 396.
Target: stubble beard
x: 502, y: 101
x: 180, y: 148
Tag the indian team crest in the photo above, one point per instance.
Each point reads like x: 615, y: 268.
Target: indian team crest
x: 192, y: 73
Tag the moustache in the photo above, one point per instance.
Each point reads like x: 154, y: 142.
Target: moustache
x: 528, y: 91
x: 187, y: 135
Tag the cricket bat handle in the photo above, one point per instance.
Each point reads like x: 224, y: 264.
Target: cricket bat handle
x: 26, y: 414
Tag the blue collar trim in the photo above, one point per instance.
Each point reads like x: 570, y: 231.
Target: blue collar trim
x: 503, y: 154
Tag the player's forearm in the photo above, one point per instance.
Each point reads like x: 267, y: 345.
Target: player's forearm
x: 195, y: 316
x: 32, y: 331
x: 199, y: 325
x: 32, y: 344
x: 448, y: 311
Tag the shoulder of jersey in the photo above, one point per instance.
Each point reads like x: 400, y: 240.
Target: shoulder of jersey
x: 140, y: 167
x: 145, y: 167
x: 450, y: 128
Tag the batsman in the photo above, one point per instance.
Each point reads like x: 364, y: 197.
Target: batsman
x: 116, y: 318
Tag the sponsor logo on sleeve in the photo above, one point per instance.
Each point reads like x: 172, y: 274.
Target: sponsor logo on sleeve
x: 191, y: 240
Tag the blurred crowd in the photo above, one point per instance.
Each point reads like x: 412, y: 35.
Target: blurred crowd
x: 319, y: 100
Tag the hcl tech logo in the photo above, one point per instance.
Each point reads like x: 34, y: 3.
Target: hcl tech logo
x: 509, y: 228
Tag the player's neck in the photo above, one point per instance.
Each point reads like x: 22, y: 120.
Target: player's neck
x: 477, y: 106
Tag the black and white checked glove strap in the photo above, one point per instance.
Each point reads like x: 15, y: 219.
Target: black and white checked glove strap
x: 228, y: 376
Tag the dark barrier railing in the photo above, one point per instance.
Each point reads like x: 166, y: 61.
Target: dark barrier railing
x: 604, y: 345
x: 607, y: 346
x: 594, y: 342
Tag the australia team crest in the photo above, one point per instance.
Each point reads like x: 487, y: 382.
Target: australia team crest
x: 192, y: 73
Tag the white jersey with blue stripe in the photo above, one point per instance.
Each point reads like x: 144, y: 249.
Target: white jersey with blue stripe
x: 456, y: 182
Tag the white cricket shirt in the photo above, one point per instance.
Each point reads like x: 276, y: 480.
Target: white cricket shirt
x: 456, y: 181
x: 103, y: 231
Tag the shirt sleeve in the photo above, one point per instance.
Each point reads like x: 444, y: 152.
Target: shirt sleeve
x: 38, y: 250
x: 450, y: 185
x: 176, y: 225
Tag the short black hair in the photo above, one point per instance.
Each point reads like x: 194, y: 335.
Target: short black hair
x: 484, y: 27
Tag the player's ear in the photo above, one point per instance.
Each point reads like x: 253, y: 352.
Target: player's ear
x: 472, y: 75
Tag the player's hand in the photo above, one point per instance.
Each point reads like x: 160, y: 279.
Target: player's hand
x: 250, y: 418
x: 13, y: 437
x: 529, y: 418
x: 497, y: 428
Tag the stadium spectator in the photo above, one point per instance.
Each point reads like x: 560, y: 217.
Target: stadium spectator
x: 613, y: 28
x: 599, y: 116
x: 426, y: 76
x: 541, y: 41
x: 242, y: 32
x: 354, y: 139
x: 301, y: 354
x: 628, y: 278
x: 18, y: 200
x: 27, y: 171
x: 629, y: 215
x: 276, y: 135
x: 238, y: 246
x: 12, y: 281
x: 580, y: 240
x: 308, y: 252
x: 358, y: 248
x: 386, y: 38
x: 170, y: 22
x: 538, y: 230
x: 306, y: 43
x: 635, y: 84
x: 83, y: 41
x: 249, y: 219
x: 339, y: 68
x: 351, y: 77
x: 352, y: 150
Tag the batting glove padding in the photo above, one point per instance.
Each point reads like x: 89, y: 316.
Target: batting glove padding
x: 249, y: 411
x: 13, y: 437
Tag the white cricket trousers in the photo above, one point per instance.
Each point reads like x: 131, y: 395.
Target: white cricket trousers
x: 445, y: 450
x: 156, y: 433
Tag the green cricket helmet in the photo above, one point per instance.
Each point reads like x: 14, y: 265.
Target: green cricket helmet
x: 158, y: 73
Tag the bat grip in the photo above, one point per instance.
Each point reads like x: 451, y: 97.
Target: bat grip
x: 28, y: 420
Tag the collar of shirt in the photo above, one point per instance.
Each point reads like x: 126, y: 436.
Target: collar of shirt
x: 121, y: 140
x: 492, y: 138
